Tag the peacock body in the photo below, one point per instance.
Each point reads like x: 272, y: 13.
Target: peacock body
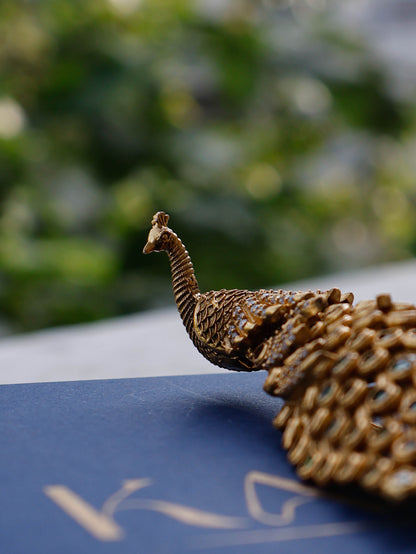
x: 347, y: 373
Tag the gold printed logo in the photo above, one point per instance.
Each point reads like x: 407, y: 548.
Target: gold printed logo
x: 100, y: 523
x: 96, y: 523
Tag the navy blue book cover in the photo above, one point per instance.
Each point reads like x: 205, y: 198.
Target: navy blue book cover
x: 169, y: 465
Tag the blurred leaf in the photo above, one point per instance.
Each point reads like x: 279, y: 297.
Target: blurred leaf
x: 280, y: 144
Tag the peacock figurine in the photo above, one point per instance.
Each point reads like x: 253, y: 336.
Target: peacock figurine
x: 347, y: 374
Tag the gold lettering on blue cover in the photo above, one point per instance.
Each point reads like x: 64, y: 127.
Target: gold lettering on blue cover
x: 96, y: 523
x: 129, y: 487
x: 101, y: 523
x: 282, y: 534
x: 185, y: 514
x: 288, y: 512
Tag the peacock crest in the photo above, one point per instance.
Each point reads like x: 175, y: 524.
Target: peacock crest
x: 347, y: 372
x: 160, y: 219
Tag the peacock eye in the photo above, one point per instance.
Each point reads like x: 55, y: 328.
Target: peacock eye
x: 164, y: 239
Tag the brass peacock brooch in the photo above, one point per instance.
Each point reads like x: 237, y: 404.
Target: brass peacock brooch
x: 347, y: 373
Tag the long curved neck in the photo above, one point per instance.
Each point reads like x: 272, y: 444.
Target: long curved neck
x: 185, y: 286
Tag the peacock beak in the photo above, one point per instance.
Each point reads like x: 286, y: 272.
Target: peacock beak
x: 148, y: 248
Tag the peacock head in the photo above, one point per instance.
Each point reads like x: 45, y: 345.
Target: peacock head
x: 159, y: 235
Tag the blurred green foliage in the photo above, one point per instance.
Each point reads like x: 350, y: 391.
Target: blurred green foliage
x: 273, y: 138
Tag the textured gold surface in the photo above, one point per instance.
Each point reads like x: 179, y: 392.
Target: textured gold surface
x: 347, y: 373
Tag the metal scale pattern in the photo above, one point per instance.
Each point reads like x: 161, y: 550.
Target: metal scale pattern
x: 347, y: 373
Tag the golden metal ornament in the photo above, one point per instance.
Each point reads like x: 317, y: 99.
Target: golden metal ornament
x: 347, y: 373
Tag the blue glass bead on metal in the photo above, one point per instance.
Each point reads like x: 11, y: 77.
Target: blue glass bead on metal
x: 402, y: 364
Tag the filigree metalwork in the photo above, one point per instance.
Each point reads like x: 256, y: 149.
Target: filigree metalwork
x: 347, y: 373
